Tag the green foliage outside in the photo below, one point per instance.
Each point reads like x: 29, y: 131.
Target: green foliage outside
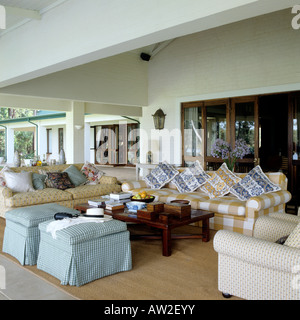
x: 23, y: 140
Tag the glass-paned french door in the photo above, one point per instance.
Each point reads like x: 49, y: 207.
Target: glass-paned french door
x: 226, y: 119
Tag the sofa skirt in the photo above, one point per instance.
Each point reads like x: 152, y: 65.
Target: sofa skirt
x: 21, y: 242
x: 79, y: 263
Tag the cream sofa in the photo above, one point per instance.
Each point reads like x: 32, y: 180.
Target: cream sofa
x: 230, y: 212
x: 10, y: 200
x: 257, y: 268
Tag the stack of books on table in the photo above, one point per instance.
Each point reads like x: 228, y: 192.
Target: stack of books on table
x: 114, y: 206
x: 121, y: 196
x: 101, y: 202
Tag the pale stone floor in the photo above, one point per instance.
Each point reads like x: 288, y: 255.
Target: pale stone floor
x: 21, y: 284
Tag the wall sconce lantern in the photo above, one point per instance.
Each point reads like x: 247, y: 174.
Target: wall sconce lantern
x: 159, y: 119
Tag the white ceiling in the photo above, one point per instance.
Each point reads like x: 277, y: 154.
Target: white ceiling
x: 15, y: 20
x: 18, y: 17
x: 144, y: 26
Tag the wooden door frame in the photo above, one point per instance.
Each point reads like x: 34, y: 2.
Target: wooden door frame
x: 230, y: 118
x: 203, y: 105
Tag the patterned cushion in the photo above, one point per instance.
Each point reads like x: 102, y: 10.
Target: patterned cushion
x: 58, y: 180
x: 254, y: 184
x: 2, y: 178
x: 160, y: 175
x: 191, y: 178
x: 2, y: 182
x: 92, y: 173
x: 293, y: 239
x: 220, y: 182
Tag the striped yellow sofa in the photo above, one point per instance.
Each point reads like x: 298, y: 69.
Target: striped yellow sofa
x: 230, y: 212
x: 10, y: 200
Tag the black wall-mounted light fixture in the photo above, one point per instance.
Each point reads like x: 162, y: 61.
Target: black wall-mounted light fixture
x: 159, y: 119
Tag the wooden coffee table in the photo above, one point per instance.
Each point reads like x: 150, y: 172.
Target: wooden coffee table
x: 166, y: 226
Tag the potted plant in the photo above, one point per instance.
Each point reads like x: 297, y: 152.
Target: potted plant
x: 28, y: 158
x: 222, y: 149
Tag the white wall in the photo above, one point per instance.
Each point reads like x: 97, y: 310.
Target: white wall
x: 254, y: 56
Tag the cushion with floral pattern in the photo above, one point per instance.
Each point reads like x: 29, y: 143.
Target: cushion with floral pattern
x: 92, y: 173
x: 58, y: 180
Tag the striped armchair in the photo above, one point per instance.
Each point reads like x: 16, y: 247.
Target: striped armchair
x: 257, y: 268
x: 230, y: 212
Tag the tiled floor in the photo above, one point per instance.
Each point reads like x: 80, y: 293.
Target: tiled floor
x: 17, y: 283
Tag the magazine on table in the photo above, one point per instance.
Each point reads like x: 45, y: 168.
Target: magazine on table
x: 100, y: 202
x: 115, y: 206
x: 120, y: 195
x: 106, y: 202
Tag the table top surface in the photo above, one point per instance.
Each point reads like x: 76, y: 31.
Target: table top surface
x: 173, y: 221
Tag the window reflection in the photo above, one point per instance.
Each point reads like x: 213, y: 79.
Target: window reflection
x: 244, y: 123
x: 193, y: 137
x: 296, y: 131
x: 215, y: 125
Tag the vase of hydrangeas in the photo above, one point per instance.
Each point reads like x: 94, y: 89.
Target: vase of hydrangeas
x: 222, y: 149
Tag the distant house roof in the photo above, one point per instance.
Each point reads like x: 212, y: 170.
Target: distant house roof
x: 42, y: 116
x: 45, y: 112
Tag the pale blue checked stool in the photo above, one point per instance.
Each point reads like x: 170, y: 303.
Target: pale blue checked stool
x: 21, y: 234
x: 85, y: 252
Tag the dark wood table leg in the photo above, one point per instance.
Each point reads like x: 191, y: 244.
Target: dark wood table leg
x: 205, y: 230
x: 166, y: 242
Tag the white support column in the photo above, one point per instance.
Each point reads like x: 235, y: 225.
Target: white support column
x: 10, y: 145
x: 87, y: 137
x: 42, y: 141
x: 55, y: 151
x: 75, y: 133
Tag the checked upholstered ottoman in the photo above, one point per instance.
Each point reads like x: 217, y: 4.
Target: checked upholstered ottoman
x: 85, y: 252
x: 21, y: 234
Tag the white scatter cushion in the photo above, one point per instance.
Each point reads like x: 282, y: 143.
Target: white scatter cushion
x: 5, y: 169
x: 293, y: 239
x: 19, y: 182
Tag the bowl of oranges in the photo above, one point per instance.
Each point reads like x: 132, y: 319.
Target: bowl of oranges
x: 143, y: 197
